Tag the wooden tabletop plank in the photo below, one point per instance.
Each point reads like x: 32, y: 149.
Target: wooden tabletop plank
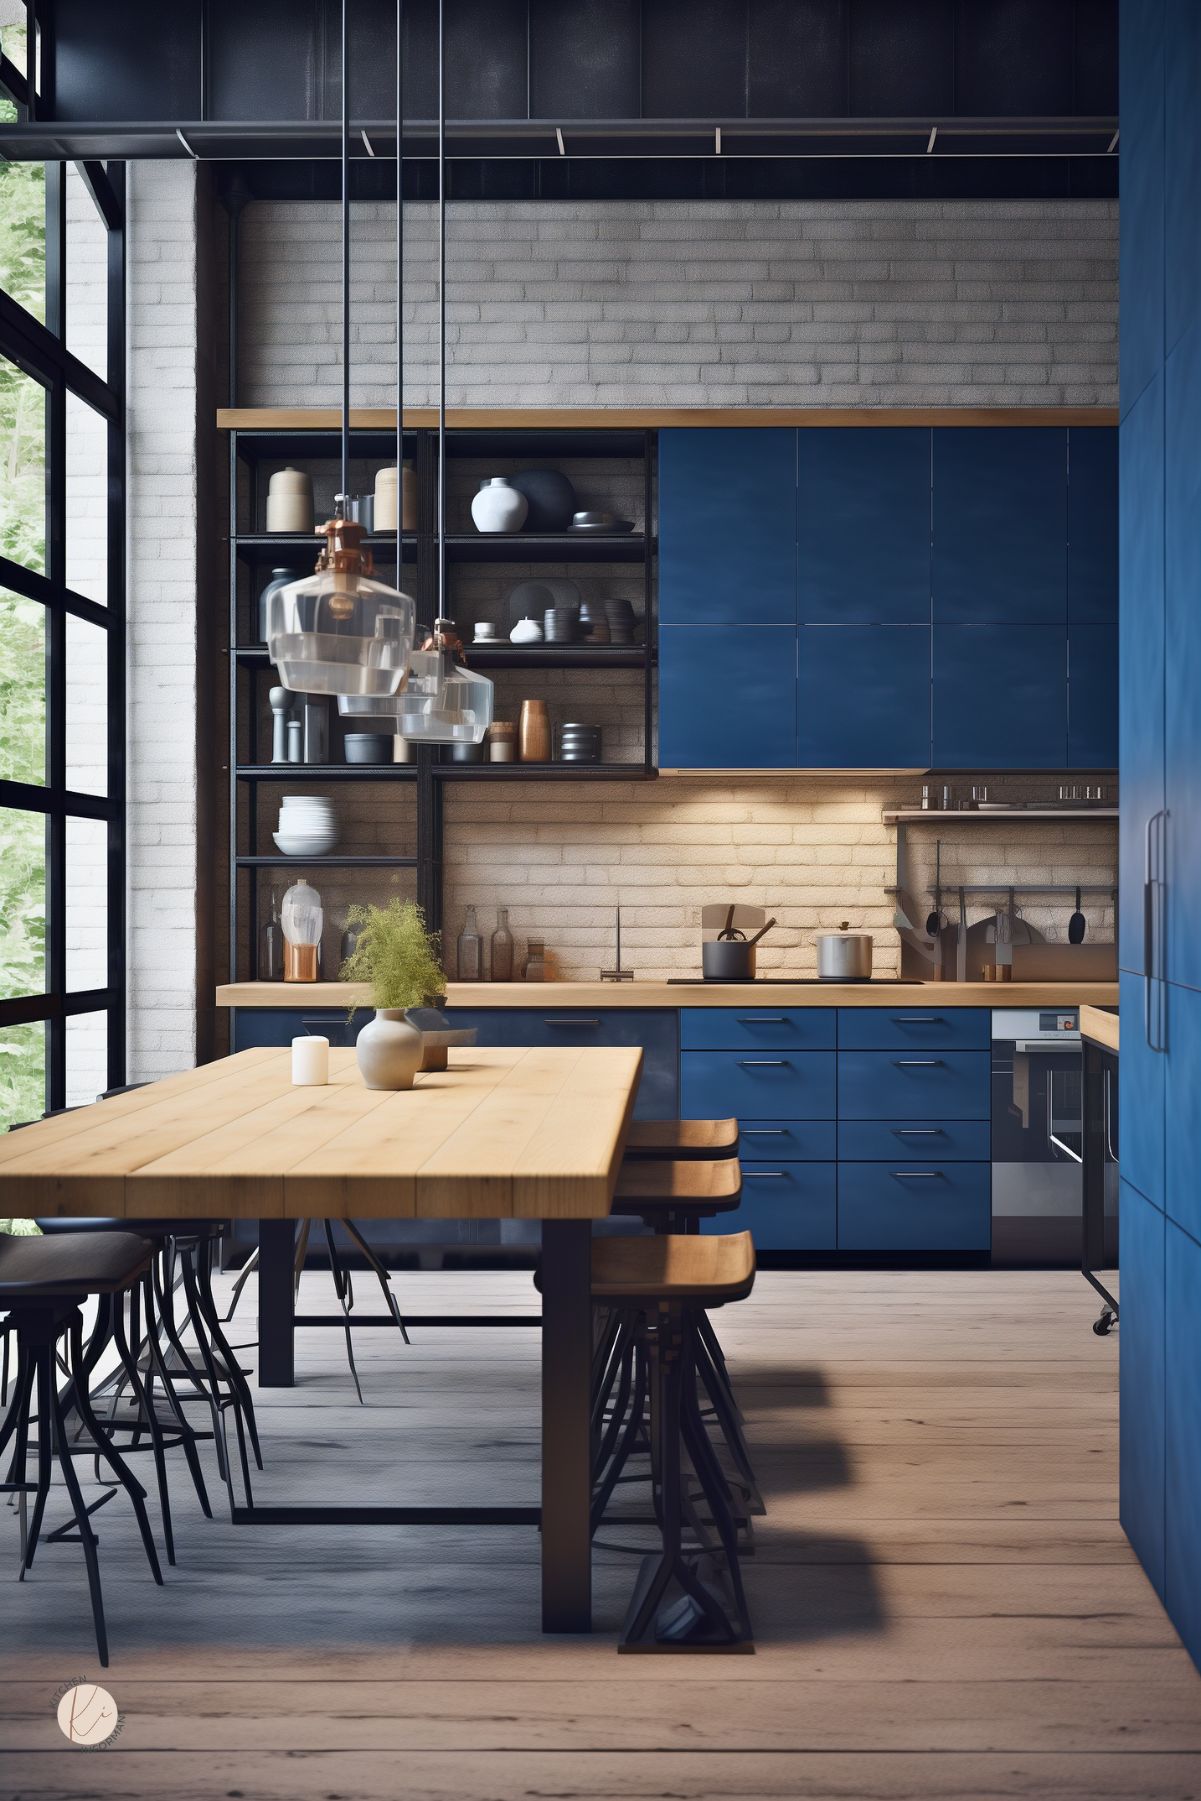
x: 501, y: 1133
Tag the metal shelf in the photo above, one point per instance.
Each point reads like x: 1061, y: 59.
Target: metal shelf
x: 951, y: 887
x: 545, y: 772
x: 974, y: 815
x: 278, y: 861
x: 518, y: 656
x: 326, y: 772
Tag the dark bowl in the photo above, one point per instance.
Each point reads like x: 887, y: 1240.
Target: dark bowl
x: 550, y: 496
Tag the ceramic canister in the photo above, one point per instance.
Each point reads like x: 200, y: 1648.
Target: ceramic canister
x: 290, y: 501
x: 498, y: 507
x: 385, y: 499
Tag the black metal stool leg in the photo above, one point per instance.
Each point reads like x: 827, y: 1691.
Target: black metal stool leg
x: 87, y: 1539
x: 118, y: 1465
x: 43, y: 1369
x: 340, y: 1290
x: 146, y: 1409
x: 381, y: 1275
x: 187, y: 1432
x: 205, y: 1312
x: 214, y: 1383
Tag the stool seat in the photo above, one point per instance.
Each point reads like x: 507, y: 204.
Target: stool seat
x: 70, y: 1263
x: 682, y: 1138
x: 709, y: 1270
x: 688, y: 1187
x: 148, y: 1228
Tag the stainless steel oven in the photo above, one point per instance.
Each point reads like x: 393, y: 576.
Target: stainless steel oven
x: 1037, y: 1135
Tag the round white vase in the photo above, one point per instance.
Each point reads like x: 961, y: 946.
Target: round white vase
x: 498, y: 507
x: 389, y: 1050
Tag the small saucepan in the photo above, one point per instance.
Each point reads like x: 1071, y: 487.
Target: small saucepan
x: 731, y: 959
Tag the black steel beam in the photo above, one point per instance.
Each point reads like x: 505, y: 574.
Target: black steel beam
x: 34, y: 348
x: 95, y: 178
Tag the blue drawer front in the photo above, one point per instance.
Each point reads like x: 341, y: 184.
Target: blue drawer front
x: 757, y: 1084
x: 787, y: 1141
x: 255, y: 1026
x: 914, y: 1140
x: 911, y: 1085
x: 915, y: 1027
x: 786, y: 1207
x: 757, y: 1028
x: 658, y: 1096
x: 937, y: 1207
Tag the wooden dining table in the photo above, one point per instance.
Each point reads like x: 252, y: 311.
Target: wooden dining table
x: 500, y: 1134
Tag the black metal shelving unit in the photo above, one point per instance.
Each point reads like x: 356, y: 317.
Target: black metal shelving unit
x: 253, y: 452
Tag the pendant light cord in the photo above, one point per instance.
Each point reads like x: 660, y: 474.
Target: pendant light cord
x: 400, y: 292
x: 345, y: 508
x: 442, y: 309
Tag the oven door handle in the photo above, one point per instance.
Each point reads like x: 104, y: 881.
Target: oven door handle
x: 1070, y: 1041
x: 1055, y: 1143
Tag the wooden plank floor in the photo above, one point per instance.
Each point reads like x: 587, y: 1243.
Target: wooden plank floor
x: 945, y: 1604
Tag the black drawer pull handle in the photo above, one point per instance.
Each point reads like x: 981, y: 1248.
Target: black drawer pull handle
x: 917, y: 1062
x: 764, y: 1062
x: 917, y: 1019
x: 917, y: 1131
x: 552, y: 1021
x: 763, y: 1175
x: 762, y: 1019
x: 764, y: 1132
x: 918, y: 1175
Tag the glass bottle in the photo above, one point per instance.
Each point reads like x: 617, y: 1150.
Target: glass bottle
x: 469, y: 948
x: 501, y: 961
x: 271, y: 940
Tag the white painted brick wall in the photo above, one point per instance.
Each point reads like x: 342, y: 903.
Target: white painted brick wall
x: 162, y: 373
x: 800, y: 303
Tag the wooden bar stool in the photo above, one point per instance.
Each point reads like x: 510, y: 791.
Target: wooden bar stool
x: 681, y: 1140
x: 676, y: 1195
x: 667, y: 1283
x: 42, y: 1284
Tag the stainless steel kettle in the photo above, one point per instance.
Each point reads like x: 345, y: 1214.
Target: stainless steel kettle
x: 844, y: 956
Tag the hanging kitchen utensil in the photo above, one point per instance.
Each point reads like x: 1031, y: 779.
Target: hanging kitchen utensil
x: 729, y: 930
x: 762, y: 932
x: 961, y: 940
x: 936, y: 919
x: 1077, y: 924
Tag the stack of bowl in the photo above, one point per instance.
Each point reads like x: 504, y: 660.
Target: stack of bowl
x: 594, y: 626
x: 307, y: 826
x: 622, y: 621
x: 560, y: 625
x: 579, y: 743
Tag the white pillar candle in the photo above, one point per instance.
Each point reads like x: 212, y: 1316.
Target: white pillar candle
x: 310, y: 1062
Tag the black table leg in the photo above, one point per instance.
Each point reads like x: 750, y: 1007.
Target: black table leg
x: 277, y: 1247
x: 566, y: 1451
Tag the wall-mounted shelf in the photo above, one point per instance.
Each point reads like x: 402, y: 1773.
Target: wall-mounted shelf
x: 326, y: 772
x: 544, y: 772
x: 467, y: 547
x: 279, y: 861
x: 976, y: 815
x: 518, y: 656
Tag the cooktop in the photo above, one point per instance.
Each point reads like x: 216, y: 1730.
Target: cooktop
x: 792, y: 982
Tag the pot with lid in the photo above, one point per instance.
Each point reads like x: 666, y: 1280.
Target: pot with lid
x: 844, y: 956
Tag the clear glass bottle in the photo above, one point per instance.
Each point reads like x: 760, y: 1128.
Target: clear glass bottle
x: 469, y: 950
x: 271, y: 945
x: 501, y: 959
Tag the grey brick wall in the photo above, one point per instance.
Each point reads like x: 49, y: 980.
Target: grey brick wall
x: 821, y: 303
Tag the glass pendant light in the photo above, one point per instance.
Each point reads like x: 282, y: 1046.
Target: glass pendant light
x: 340, y: 630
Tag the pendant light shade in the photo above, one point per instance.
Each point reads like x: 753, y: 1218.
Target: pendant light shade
x: 445, y: 702
x: 339, y: 630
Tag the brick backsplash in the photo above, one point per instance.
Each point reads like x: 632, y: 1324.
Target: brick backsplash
x: 813, y: 850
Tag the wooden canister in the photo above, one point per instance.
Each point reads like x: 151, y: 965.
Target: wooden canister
x: 533, y: 733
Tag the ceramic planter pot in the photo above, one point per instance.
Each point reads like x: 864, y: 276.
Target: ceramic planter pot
x: 498, y: 507
x: 389, y: 1050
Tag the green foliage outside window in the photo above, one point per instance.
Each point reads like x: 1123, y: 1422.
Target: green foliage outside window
x: 22, y: 642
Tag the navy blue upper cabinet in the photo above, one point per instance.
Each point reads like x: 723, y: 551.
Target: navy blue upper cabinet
x: 863, y: 526
x: 1092, y: 525
x: 1093, y: 698
x: 1182, y: 171
x: 1000, y: 526
x: 1182, y: 650
x: 727, y: 526
x: 1000, y: 697
x: 864, y: 695
x: 1141, y: 188
x: 727, y: 697
x: 1141, y: 654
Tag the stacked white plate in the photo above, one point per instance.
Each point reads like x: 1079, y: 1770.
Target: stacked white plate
x: 307, y: 826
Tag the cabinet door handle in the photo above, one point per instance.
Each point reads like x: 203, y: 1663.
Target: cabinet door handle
x: 917, y: 1131
x: 764, y: 1132
x: 918, y: 1175
x: 762, y: 1019
x: 551, y: 1020
x: 917, y: 1019
x: 764, y: 1062
x: 917, y: 1062
x: 763, y: 1175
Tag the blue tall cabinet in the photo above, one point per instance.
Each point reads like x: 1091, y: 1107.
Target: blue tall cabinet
x: 888, y: 597
x: 1160, y: 722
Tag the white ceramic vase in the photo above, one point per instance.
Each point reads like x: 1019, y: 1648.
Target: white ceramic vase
x: 389, y: 1050
x: 498, y: 507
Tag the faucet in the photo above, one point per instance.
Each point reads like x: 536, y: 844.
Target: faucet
x: 617, y: 974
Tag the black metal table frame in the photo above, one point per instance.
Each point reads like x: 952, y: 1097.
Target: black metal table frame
x: 566, y: 1321
x: 1099, y: 1064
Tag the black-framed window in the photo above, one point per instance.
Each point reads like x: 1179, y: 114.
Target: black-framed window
x: 62, y: 620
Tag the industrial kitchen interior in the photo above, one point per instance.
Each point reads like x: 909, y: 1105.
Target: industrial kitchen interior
x: 600, y: 899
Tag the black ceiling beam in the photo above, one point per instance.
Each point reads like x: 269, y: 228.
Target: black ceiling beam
x: 95, y: 178
x: 498, y: 139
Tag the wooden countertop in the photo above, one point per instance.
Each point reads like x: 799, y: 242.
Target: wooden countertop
x: 1100, y: 1028
x: 649, y: 418
x: 524, y: 1134
x: 546, y: 995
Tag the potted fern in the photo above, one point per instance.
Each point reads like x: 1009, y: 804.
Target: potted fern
x: 398, y: 958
